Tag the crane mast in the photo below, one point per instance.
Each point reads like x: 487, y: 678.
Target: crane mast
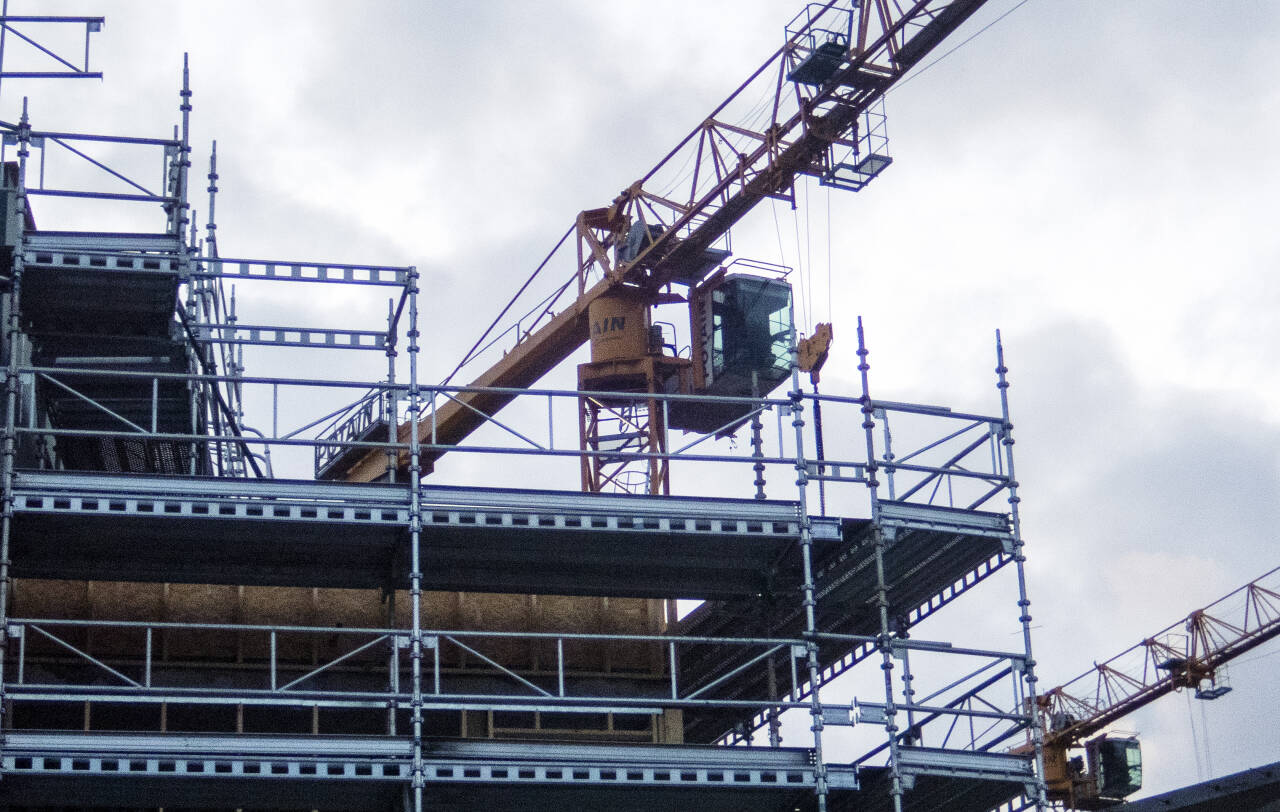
x: 838, y: 61
x: 1185, y: 655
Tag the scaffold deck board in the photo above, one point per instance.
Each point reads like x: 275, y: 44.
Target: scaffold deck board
x: 366, y: 772
x: 372, y: 772
x: 928, y: 563
x: 76, y: 525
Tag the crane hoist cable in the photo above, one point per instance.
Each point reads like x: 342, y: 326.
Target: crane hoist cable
x: 830, y: 262
x: 536, y: 271
x: 1195, y: 741
x: 803, y: 269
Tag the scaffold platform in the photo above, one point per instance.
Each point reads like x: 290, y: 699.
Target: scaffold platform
x: 81, y: 525
x: 367, y: 773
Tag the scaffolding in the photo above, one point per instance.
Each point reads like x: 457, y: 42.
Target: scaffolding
x: 128, y: 463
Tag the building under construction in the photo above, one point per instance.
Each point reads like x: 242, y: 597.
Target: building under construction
x: 195, y: 618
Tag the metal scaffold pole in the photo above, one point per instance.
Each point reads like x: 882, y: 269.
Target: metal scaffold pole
x: 885, y: 641
x: 179, y: 220
x: 1024, y: 603
x: 414, y: 408
x: 388, y: 400
x: 393, y: 655
x: 7, y: 463
x: 806, y: 549
x: 183, y: 158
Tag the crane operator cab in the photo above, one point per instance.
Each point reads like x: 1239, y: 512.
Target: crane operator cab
x: 1116, y: 763
x: 741, y: 327
x: 1109, y: 771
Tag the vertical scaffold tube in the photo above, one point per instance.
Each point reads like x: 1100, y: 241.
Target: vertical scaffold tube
x: 885, y: 641
x: 393, y: 654
x: 757, y: 451
x: 1019, y: 558
x: 180, y: 219
x: 184, y: 154
x: 388, y: 400
x: 414, y: 408
x: 908, y: 696
x: 8, y: 460
x: 211, y: 226
x: 819, y: 448
x: 806, y: 550
x: 228, y: 454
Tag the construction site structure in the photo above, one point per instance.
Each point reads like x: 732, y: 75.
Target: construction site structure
x: 191, y: 621
x: 814, y: 109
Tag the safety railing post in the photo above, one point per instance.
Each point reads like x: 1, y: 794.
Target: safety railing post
x: 8, y: 456
x: 1019, y: 558
x: 885, y: 638
x: 796, y: 397
x: 414, y: 408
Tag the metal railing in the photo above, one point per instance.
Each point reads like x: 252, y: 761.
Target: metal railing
x: 283, y: 666
x: 952, y: 459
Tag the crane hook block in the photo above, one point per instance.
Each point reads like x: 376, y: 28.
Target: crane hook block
x: 812, y: 351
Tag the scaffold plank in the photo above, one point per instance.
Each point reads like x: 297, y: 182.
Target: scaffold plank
x: 76, y: 525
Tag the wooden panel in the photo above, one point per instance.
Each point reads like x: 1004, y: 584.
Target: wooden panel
x: 351, y: 608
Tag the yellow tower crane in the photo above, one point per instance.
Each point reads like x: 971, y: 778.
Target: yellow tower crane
x: 1187, y: 655
x: 659, y: 242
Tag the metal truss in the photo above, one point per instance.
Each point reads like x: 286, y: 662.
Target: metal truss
x: 476, y: 765
x: 50, y: 666
x: 1185, y: 655
x: 91, y: 493
x: 132, y: 259
x: 615, y: 433
x: 10, y: 33
x: 290, y: 271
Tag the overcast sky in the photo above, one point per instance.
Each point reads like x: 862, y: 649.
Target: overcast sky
x: 1094, y: 178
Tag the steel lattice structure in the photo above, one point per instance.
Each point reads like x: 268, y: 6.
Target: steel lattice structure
x: 158, y: 479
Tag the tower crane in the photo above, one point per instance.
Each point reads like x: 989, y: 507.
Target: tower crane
x: 1186, y: 655
x: 814, y: 108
